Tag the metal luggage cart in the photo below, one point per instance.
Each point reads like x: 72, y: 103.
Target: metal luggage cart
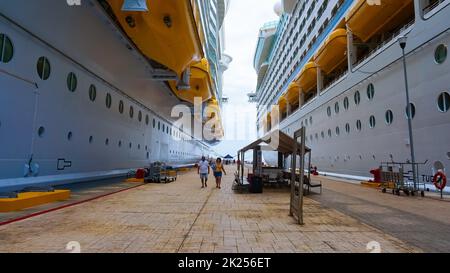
x: 398, y: 177
x: 160, y: 173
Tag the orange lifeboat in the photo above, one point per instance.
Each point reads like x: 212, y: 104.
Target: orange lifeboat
x: 334, y: 52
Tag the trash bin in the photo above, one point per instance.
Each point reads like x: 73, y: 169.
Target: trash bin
x: 256, y: 185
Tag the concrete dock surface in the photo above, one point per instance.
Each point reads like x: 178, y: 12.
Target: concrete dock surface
x: 182, y: 217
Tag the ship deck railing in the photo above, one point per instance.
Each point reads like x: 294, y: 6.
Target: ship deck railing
x: 384, y: 43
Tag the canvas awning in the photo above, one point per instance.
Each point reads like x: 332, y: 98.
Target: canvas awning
x: 275, y: 141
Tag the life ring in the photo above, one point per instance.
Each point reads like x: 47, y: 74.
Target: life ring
x: 440, y: 180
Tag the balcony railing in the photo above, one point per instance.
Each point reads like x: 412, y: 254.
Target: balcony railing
x: 384, y: 42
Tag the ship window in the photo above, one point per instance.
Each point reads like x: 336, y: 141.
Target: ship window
x: 69, y: 136
x: 358, y: 125
x: 346, y: 103
x: 72, y: 82
x: 372, y: 122
x: 163, y: 127
x: 444, y: 102
x: 130, y: 145
x: 148, y: 155
x: 329, y: 111
x: 41, y: 131
x: 347, y: 128
x: 91, y: 139
x: 131, y: 112
x: 329, y: 132
x: 322, y: 134
x: 159, y: 126
x: 338, y: 131
x: 140, y: 116
x: 92, y: 92
x: 310, y: 120
x: 121, y: 107
x: 107, y: 142
x: 6, y: 49
x: 389, y: 117
x: 43, y: 68
x: 336, y: 108
x: 440, y: 55
x: 139, y: 146
x: 357, y: 97
x: 370, y: 91
x: 108, y: 101
x: 317, y: 136
x: 413, y: 111
x: 147, y: 120
x: 120, y: 143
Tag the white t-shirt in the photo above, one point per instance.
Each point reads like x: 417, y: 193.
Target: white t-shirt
x: 203, y: 166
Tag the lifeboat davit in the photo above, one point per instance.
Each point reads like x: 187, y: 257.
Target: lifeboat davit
x: 200, y: 84
x: 293, y: 93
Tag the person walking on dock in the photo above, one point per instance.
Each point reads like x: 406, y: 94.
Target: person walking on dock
x: 203, y: 170
x: 218, y: 171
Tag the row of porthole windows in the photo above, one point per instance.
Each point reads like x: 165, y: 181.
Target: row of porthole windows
x: 43, y: 68
x: 389, y: 118
x: 356, y: 98
x: 70, y: 135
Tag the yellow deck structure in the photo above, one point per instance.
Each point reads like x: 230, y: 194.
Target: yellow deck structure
x: 333, y: 52
x: 167, y: 33
x: 32, y: 199
x: 366, y: 19
x: 308, y: 76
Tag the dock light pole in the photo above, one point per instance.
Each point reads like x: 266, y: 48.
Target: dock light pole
x: 402, y: 41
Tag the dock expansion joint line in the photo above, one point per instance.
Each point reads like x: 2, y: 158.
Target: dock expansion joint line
x: 195, y: 221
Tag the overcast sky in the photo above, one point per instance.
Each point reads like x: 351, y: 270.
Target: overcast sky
x: 242, y: 24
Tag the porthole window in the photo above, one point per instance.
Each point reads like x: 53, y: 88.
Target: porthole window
x: 43, y: 68
x: 413, y: 111
x: 92, y: 92
x: 107, y: 142
x: 336, y: 108
x: 91, y: 139
x: 329, y: 111
x: 317, y: 136
x: 389, y: 117
x: 147, y: 120
x: 121, y: 106
x: 159, y: 126
x: 370, y: 91
x: 347, y: 128
x: 346, y: 103
x: 440, y: 55
x: 130, y: 145
x: 329, y: 133
x: 6, y: 49
x: 108, y: 100
x: 140, y: 116
x: 41, y: 131
x: 120, y: 143
x: 357, y: 98
x: 338, y: 131
x: 131, y: 112
x: 372, y: 122
x: 163, y: 127
x: 139, y: 146
x: 69, y: 136
x: 444, y: 102
x: 358, y: 125
x: 310, y: 120
x: 322, y: 134
x: 72, y: 82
